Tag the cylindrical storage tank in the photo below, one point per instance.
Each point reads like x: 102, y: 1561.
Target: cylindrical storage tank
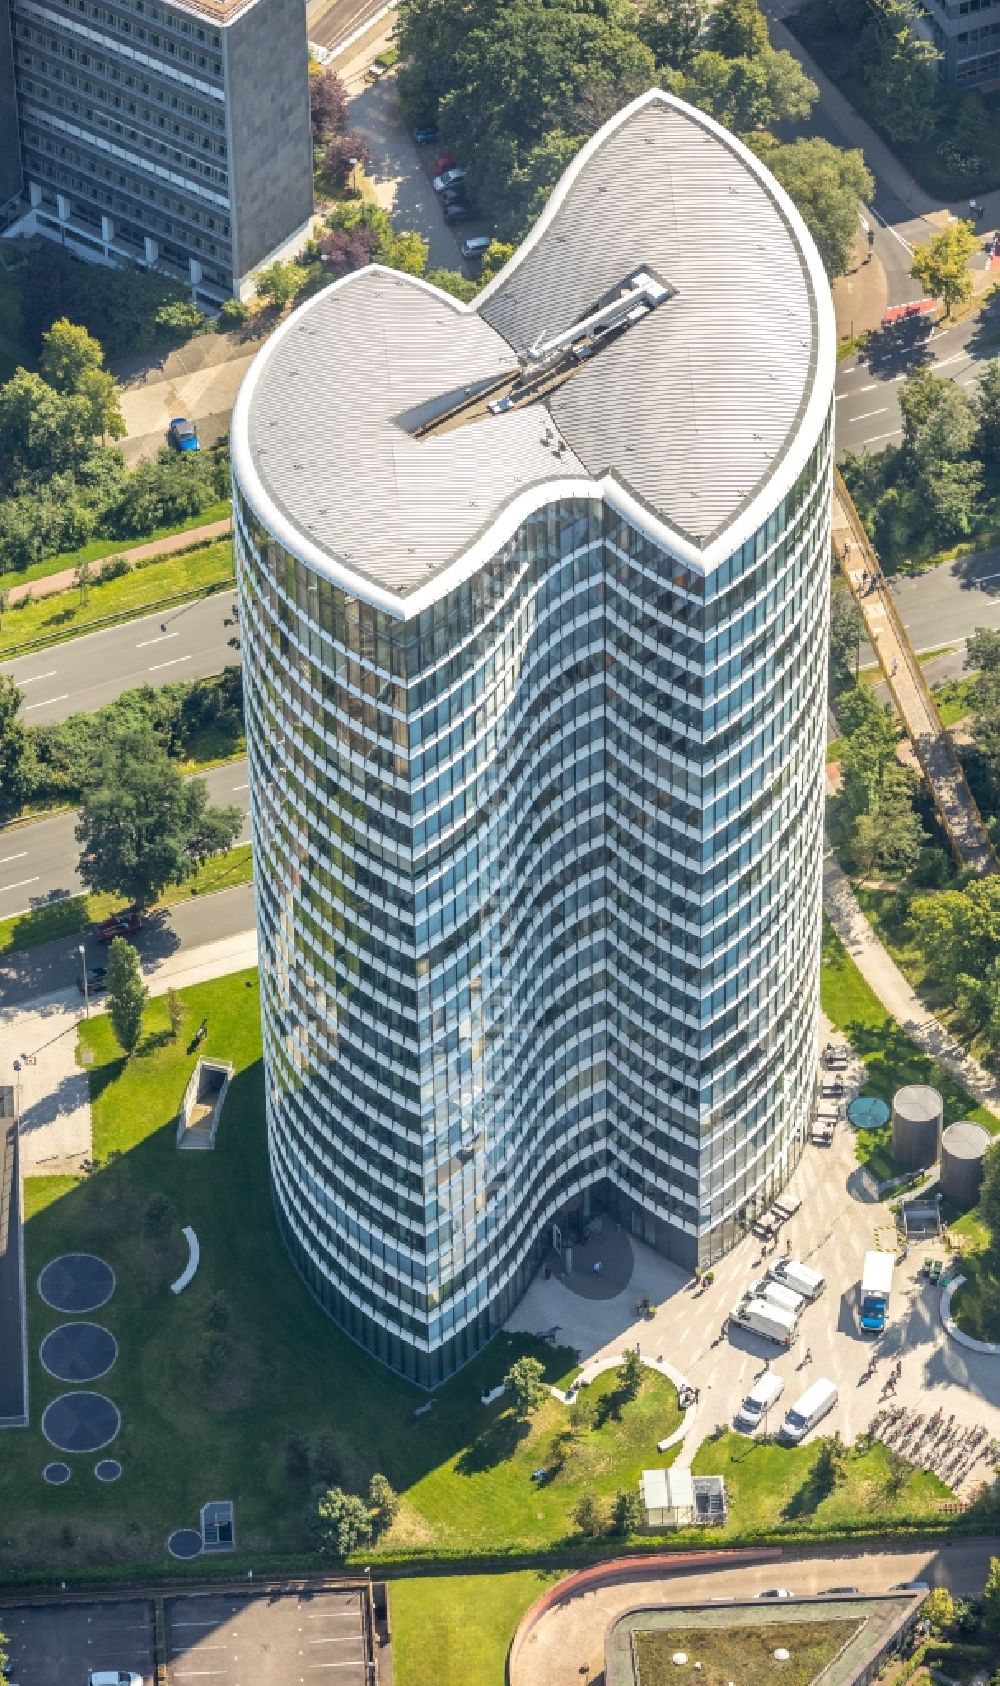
x: 917, y: 1117
x: 963, y: 1146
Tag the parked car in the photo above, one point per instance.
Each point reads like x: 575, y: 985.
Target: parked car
x: 840, y: 1592
x: 114, y: 1677
x: 474, y: 249
x: 814, y: 1404
x: 446, y: 161
x: 912, y: 1586
x: 454, y: 195
x: 766, y: 1389
x: 119, y: 925
x: 96, y: 979
x: 376, y: 70
x: 448, y: 178
x: 426, y: 135
x: 461, y: 211
x: 776, y: 1592
x: 183, y: 434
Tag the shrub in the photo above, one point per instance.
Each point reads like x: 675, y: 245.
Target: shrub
x: 113, y: 568
x: 590, y: 1516
x: 158, y: 1215
x: 338, y: 1522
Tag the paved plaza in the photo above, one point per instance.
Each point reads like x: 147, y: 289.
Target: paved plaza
x: 834, y: 1227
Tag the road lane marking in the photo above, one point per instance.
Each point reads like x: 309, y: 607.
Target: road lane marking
x: 19, y: 857
x: 870, y: 413
x: 19, y: 886
x: 956, y: 357
x: 46, y: 703
x: 50, y: 675
x: 240, y: 787
x: 157, y: 665
x: 161, y: 639
x: 877, y: 436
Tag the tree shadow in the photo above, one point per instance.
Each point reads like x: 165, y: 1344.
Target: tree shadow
x: 822, y: 1480
x: 609, y: 1406
x: 497, y: 1443
x: 155, y: 1039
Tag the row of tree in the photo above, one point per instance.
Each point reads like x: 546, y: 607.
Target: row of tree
x: 938, y: 481
x: 516, y: 88
x: 57, y: 763
x: 878, y: 794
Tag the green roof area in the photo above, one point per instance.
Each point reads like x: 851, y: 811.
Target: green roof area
x: 827, y: 1640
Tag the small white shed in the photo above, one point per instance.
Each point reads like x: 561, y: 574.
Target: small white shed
x: 668, y: 1498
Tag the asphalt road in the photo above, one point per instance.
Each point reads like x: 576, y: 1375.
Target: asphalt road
x: 85, y: 672
x: 867, y: 391
x: 329, y: 25
x: 38, y: 860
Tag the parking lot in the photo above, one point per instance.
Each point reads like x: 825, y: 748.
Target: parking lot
x: 262, y: 1638
x: 835, y: 1225
x: 58, y: 1644
x: 266, y: 1639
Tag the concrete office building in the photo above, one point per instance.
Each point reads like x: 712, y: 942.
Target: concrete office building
x: 169, y: 134
x: 533, y: 607
x: 966, y: 33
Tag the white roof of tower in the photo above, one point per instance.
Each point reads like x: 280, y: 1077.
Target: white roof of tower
x: 692, y: 422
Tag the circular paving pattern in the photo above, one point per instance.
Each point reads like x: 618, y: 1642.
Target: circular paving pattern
x: 108, y: 1469
x: 76, y: 1282
x: 56, y: 1474
x: 184, y: 1542
x: 78, y: 1352
x: 80, y: 1422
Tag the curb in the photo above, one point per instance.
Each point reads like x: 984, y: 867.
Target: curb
x: 991, y: 1348
x: 119, y: 619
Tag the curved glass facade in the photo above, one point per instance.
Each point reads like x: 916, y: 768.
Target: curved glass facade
x: 538, y: 894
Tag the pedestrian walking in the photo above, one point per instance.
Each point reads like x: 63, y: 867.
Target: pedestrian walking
x: 895, y: 667
x: 788, y: 1246
x: 980, y: 213
x: 973, y: 212
x: 807, y: 1356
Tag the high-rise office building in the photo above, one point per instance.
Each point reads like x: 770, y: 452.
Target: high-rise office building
x: 171, y: 133
x: 533, y: 608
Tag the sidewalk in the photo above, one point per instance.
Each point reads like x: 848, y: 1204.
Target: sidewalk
x: 882, y: 974
x: 56, y: 1134
x: 49, y: 584
x: 860, y: 297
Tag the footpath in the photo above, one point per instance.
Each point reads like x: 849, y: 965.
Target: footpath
x: 882, y: 975
x: 66, y: 577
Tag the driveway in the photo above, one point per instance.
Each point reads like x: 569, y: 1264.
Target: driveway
x: 401, y: 171
x: 199, y: 380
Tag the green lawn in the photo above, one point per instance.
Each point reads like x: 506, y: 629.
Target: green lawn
x: 740, y: 1655
x: 953, y: 699
x: 976, y: 1305
x: 459, y: 1625
x: 463, y: 1470
x: 63, y: 615
x: 77, y: 913
x: 891, y: 1058
x: 776, y: 1489
x: 99, y: 548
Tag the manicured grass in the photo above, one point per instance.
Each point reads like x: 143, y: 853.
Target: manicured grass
x: 976, y: 1305
x: 457, y: 1629
x: 874, y: 1149
x: 891, y: 1058
x: 954, y: 699
x: 464, y: 1471
x: 99, y: 548
x: 77, y: 913
x: 64, y: 614
x: 778, y: 1489
x: 739, y: 1656
x: 212, y: 747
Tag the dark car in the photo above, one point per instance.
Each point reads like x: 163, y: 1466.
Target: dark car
x: 376, y: 70
x: 425, y: 135
x: 119, y: 925
x: 840, y: 1592
x: 183, y: 434
x: 454, y: 195
x: 460, y: 211
x: 95, y: 981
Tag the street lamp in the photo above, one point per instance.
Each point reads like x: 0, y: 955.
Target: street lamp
x: 354, y: 164
x: 86, y: 991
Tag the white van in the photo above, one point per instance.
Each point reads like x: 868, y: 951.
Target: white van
x: 766, y: 1389
x: 771, y: 1321
x: 777, y: 1294
x: 809, y: 1410
x: 799, y: 1277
